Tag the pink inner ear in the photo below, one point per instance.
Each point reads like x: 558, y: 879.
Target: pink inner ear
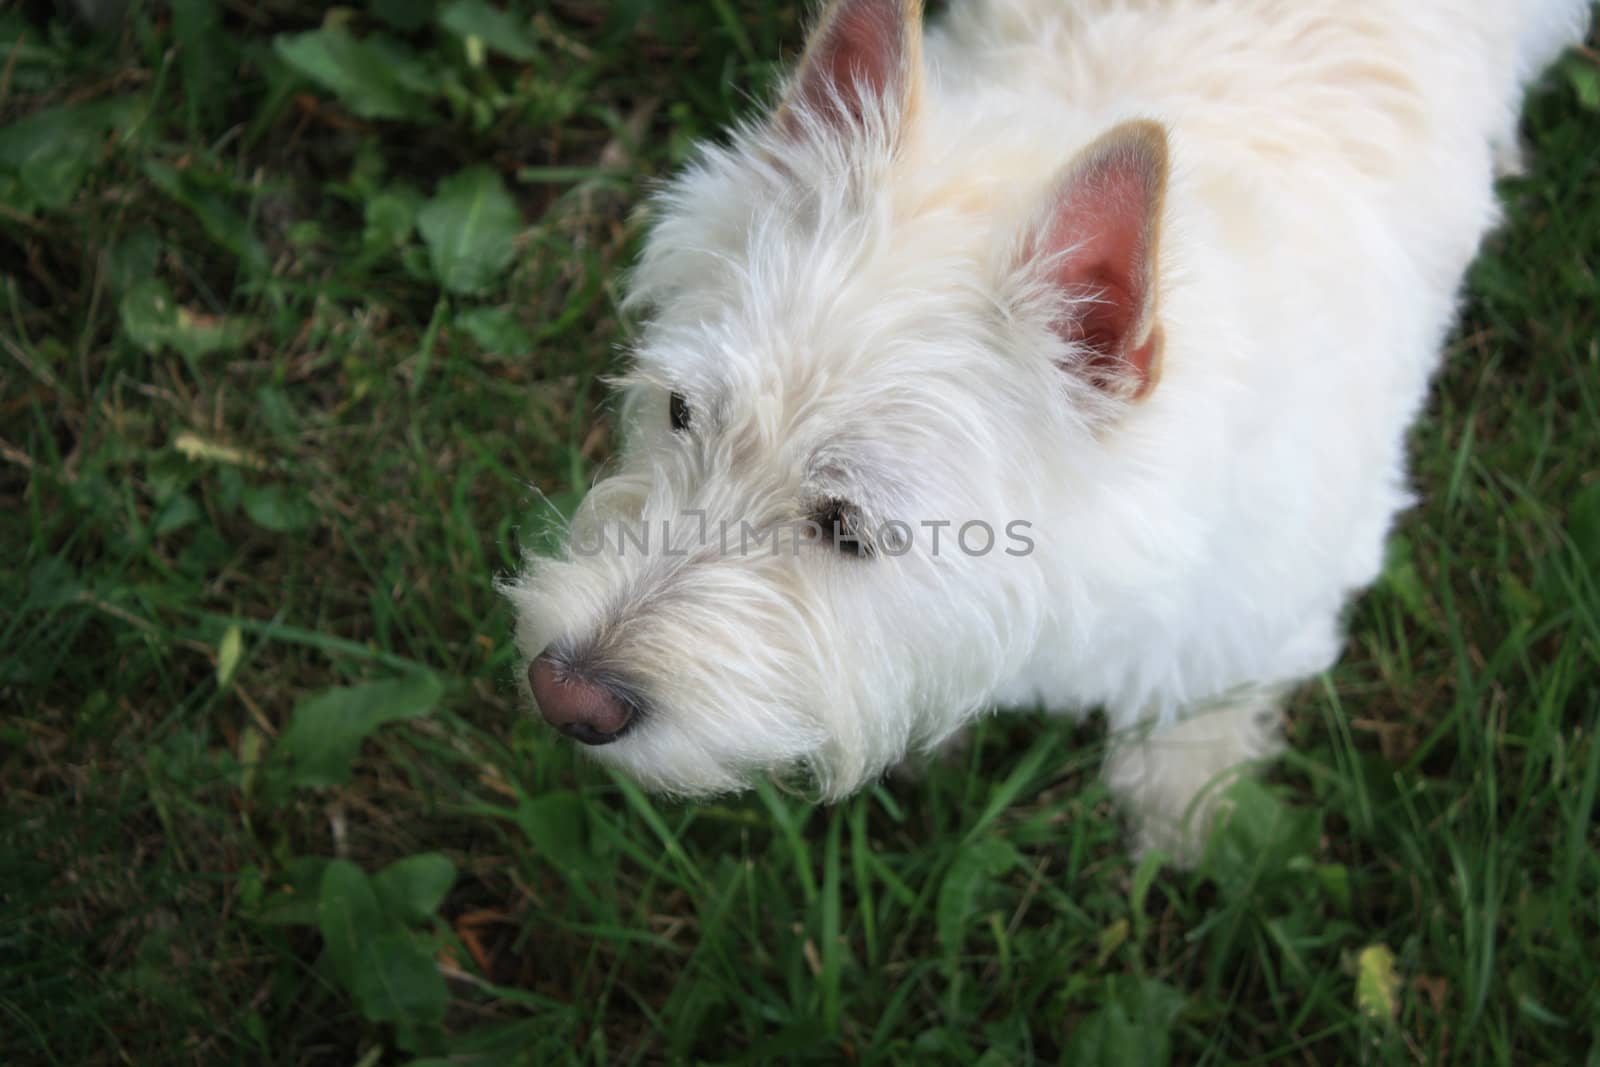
x: 1101, y: 233
x: 858, y: 55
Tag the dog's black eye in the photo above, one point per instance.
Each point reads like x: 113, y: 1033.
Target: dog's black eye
x: 678, y: 410
x: 841, y: 525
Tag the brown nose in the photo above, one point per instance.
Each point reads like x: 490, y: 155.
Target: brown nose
x: 583, y: 709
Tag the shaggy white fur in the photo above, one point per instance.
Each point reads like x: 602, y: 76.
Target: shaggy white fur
x: 1163, y: 281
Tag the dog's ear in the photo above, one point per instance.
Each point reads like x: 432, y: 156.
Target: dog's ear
x: 1097, y: 241
x: 861, y: 53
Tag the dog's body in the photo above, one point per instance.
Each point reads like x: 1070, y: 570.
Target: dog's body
x: 1164, y: 281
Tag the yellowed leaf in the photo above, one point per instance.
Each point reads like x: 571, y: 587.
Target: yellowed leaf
x: 1377, y: 984
x: 228, y: 653
x: 197, y: 448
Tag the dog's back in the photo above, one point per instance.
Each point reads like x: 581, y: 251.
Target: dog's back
x: 1399, y: 91
x: 1548, y: 27
x: 1333, y: 173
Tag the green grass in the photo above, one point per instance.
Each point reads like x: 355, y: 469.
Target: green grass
x: 271, y: 404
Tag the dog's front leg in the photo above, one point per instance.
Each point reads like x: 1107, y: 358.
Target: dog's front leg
x: 1170, y: 778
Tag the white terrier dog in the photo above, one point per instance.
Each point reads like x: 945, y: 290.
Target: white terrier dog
x: 1078, y: 341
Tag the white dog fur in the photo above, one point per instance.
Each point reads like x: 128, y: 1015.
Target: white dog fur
x: 874, y: 295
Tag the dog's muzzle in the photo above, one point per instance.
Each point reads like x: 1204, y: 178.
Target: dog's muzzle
x: 585, y: 708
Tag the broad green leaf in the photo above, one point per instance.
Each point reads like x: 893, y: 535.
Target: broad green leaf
x: 500, y: 31
x: 1133, y: 1026
x: 1377, y: 984
x: 1257, y: 837
x: 413, y: 888
x: 496, y: 330
x: 556, y: 825
x: 153, y: 320
x: 1584, y: 78
x: 971, y: 872
x: 349, y: 917
x: 149, y: 315
x: 397, y: 981
x: 326, y: 730
x: 279, y: 508
x: 47, y: 156
x: 389, y: 217
x: 277, y: 411
x: 1334, y: 878
x: 387, y: 969
x: 305, y: 234
x: 375, y: 77
x: 176, y: 512
x: 470, y: 227
x: 1400, y: 579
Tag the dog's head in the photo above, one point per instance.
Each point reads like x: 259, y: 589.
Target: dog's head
x: 864, y: 375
